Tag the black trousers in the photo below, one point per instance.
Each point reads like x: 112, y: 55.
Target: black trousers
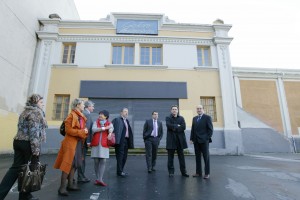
x: 202, y: 149
x: 81, y: 169
x: 181, y: 159
x: 121, y: 154
x: 22, y: 154
x: 151, y: 146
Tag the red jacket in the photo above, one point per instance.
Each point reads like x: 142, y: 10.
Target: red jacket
x: 96, y: 136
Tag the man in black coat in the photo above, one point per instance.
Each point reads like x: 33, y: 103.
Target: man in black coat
x: 152, y: 134
x: 176, y: 140
x: 201, y: 133
x: 124, y: 140
x: 88, y: 109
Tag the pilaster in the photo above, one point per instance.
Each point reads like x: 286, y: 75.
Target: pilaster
x: 284, y: 108
x: 47, y: 35
x: 232, y: 133
x: 237, y: 88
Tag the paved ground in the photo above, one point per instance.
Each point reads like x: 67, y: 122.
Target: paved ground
x: 263, y: 177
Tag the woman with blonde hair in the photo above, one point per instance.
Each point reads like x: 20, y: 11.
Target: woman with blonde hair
x: 70, y: 155
x: 102, y: 129
x: 27, y: 143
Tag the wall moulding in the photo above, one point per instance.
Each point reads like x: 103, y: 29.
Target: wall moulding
x: 134, y: 39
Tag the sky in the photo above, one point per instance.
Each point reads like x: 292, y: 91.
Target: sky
x: 266, y: 32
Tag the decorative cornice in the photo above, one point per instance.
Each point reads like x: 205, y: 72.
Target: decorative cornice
x: 47, y: 35
x: 118, y: 66
x: 266, y: 73
x: 222, y: 40
x: 133, y: 39
x: 206, y: 68
x: 64, y: 66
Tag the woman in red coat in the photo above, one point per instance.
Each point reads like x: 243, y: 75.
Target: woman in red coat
x: 70, y: 155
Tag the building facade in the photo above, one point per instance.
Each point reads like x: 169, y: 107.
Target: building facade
x: 144, y: 62
x: 147, y: 62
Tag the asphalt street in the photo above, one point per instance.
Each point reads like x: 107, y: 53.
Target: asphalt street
x: 263, y: 177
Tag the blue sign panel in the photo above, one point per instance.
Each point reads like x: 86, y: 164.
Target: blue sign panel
x: 138, y: 27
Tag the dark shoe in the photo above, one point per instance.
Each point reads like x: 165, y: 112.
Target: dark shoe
x: 196, y: 175
x: 171, y: 175
x: 63, y: 193
x: 206, y: 176
x: 149, y: 171
x: 185, y: 175
x: 33, y: 198
x: 73, y: 188
x: 84, y: 180
x: 27, y: 196
x: 153, y: 169
x: 122, y: 174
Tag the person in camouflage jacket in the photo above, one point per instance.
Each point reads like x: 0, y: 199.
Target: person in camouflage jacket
x: 27, y: 143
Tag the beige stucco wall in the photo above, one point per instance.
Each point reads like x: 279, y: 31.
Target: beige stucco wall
x: 260, y: 98
x: 87, y: 31
x: 186, y: 34
x: 8, y: 121
x: 199, y: 83
x: 292, y: 93
x: 113, y: 32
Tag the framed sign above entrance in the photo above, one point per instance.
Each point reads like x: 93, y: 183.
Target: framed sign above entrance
x: 137, y: 27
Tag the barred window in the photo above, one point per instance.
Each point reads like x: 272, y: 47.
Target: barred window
x: 203, y: 54
x: 69, y: 50
x: 61, y: 107
x: 209, y: 105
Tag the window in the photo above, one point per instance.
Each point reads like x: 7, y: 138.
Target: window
x: 61, y: 107
x: 69, y: 53
x: 151, y: 55
x: 209, y: 104
x: 203, y: 54
x: 123, y: 54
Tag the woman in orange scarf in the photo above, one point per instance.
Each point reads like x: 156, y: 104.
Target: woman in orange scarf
x: 70, y: 155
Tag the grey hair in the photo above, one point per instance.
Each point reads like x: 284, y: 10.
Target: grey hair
x: 76, y: 102
x: 124, y: 109
x: 33, y: 99
x: 88, y: 103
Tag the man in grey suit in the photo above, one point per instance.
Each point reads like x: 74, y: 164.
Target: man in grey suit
x: 152, y: 135
x: 201, y: 133
x: 88, y: 108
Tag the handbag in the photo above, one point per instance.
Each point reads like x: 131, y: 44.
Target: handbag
x: 31, y: 180
x: 111, y: 142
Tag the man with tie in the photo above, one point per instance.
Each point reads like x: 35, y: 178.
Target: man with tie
x: 176, y: 141
x: 152, y: 134
x: 124, y: 140
x: 201, y: 133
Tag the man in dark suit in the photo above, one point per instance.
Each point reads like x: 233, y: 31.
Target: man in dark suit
x: 201, y: 133
x: 124, y: 140
x: 176, y: 140
x: 88, y: 109
x: 152, y: 135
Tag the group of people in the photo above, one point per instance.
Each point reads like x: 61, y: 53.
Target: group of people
x: 82, y: 133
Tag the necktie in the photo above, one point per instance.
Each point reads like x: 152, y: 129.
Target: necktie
x: 154, y: 129
x: 199, y: 117
x: 126, y: 125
